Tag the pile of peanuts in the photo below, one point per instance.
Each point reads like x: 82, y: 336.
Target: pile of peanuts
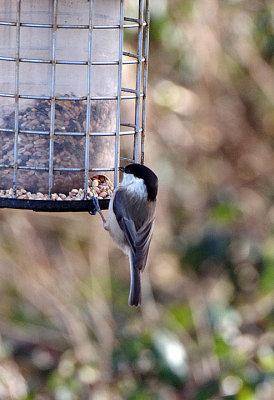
x: 98, y: 186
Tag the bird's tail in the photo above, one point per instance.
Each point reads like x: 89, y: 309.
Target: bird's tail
x: 135, y: 285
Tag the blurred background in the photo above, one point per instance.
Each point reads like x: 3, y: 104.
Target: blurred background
x: 205, y: 329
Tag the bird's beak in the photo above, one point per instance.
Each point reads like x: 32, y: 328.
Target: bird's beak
x: 122, y: 169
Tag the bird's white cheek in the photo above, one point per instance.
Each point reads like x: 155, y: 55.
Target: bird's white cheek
x: 134, y: 185
x: 128, y: 179
x: 139, y: 188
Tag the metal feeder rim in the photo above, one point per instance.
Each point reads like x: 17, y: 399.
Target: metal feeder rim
x: 53, y: 205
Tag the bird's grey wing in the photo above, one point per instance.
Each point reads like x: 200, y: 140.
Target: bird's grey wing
x: 127, y: 225
x: 138, y: 240
x: 124, y: 219
x: 143, y: 239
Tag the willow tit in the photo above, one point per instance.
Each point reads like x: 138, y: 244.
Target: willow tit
x: 131, y: 215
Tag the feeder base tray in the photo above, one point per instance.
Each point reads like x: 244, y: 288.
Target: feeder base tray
x: 52, y: 205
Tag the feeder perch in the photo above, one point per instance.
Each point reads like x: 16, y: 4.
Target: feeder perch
x: 72, y: 99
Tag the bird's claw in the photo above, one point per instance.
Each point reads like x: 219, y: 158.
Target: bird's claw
x: 97, y: 209
x: 96, y: 206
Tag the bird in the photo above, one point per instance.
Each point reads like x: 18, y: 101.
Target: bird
x: 130, y: 221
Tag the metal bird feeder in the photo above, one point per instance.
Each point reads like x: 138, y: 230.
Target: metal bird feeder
x: 68, y: 100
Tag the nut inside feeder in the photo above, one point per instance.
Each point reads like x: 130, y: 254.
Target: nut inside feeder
x: 61, y: 94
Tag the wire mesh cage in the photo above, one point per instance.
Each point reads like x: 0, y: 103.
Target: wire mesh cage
x: 72, y: 99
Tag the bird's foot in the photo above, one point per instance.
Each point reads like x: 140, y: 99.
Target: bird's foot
x: 97, y: 209
x: 96, y: 206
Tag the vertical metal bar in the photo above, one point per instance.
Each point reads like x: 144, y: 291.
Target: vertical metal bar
x: 120, y: 65
x: 52, y: 94
x: 91, y: 15
x: 16, y: 111
x: 138, y: 81
x: 145, y: 75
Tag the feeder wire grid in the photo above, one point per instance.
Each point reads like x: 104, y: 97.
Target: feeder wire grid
x: 122, y: 128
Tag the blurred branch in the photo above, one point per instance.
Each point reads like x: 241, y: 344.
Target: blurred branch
x: 258, y: 310
x: 33, y: 335
x: 207, y: 366
x: 261, y: 72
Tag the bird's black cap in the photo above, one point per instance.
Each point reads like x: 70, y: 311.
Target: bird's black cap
x: 149, y: 177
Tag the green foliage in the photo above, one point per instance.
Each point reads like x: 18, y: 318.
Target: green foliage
x: 222, y: 349
x: 214, y: 246
x: 208, y: 390
x: 267, y: 279
x: 224, y: 213
x: 181, y: 313
x: 264, y: 32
